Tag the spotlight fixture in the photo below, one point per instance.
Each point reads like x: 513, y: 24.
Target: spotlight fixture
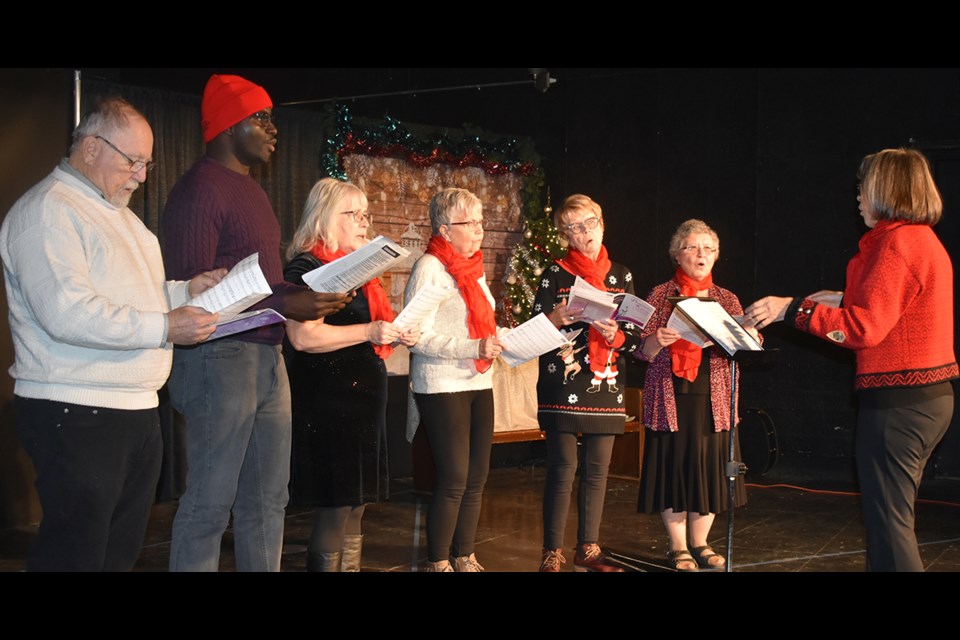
x: 541, y: 79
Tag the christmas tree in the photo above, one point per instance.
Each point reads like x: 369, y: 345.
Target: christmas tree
x: 541, y: 246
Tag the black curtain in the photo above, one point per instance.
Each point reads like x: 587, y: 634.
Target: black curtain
x: 178, y: 144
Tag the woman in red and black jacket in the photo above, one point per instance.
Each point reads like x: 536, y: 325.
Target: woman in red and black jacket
x: 897, y: 315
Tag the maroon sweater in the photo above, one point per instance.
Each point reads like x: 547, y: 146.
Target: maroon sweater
x: 215, y: 218
x: 897, y: 312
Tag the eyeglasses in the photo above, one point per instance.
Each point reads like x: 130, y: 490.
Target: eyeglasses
x: 692, y: 248
x: 136, y: 166
x: 582, y: 227
x: 264, y: 119
x: 474, y: 225
x: 360, y: 215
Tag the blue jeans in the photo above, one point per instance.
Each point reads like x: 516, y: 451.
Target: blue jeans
x: 97, y: 472
x: 235, y: 398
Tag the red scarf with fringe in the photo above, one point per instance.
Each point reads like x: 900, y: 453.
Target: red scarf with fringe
x: 594, y: 272
x: 686, y: 356
x: 380, y: 308
x: 467, y: 272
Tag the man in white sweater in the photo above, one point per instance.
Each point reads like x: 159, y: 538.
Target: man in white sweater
x: 90, y: 313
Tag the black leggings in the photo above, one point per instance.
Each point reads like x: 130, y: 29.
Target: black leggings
x: 459, y: 428
x: 332, y: 525
x: 561, y: 469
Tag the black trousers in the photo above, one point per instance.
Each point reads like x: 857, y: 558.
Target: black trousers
x: 97, y: 472
x: 893, y: 445
x: 561, y: 470
x: 460, y: 430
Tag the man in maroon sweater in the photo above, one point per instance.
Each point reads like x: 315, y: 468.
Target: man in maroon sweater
x: 233, y: 392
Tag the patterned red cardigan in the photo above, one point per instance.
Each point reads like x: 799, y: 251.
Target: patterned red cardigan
x: 897, y: 311
x: 659, y: 403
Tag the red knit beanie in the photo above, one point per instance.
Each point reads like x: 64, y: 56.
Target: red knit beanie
x: 227, y: 100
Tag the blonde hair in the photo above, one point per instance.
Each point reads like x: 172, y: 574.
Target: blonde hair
x: 449, y: 200
x: 896, y: 184
x: 576, y: 202
x: 326, y: 200
x: 686, y: 229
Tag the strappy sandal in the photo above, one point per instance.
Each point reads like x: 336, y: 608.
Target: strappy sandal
x: 680, y: 557
x: 703, y: 555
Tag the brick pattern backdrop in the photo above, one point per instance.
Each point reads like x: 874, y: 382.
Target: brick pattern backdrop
x: 399, y: 196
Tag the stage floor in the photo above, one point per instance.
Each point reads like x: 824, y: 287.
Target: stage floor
x: 782, y: 529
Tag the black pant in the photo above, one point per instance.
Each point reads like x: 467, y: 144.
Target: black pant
x: 460, y: 431
x: 893, y: 445
x: 97, y: 472
x: 561, y: 469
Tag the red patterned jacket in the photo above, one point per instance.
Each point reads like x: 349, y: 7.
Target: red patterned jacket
x: 659, y: 402
x: 897, y: 312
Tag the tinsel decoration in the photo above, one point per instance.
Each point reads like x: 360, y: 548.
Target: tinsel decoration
x: 530, y: 260
x: 495, y: 156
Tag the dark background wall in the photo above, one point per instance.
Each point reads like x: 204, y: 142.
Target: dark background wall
x: 768, y: 157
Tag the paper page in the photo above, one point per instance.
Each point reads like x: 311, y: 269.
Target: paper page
x: 356, y: 269
x: 242, y: 288
x: 634, y: 310
x: 687, y: 330
x: 533, y: 338
x: 590, y: 302
x: 417, y: 310
x: 720, y: 325
x: 246, y: 322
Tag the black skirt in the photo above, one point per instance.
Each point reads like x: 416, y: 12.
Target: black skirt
x: 684, y: 470
x: 339, y: 453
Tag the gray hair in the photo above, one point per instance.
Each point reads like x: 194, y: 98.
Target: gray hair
x: 449, y: 200
x: 686, y: 229
x: 108, y: 116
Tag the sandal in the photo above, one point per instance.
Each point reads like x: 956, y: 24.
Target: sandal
x: 704, y: 554
x: 680, y: 557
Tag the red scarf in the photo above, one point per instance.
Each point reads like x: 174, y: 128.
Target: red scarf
x: 380, y: 308
x: 684, y: 355
x: 594, y: 273
x: 467, y: 273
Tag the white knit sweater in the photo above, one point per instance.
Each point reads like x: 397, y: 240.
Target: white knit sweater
x: 87, y: 298
x: 443, y: 359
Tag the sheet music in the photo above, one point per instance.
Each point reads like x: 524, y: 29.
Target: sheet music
x: 533, y: 338
x: 417, y: 310
x: 714, y: 320
x: 356, y: 269
x: 246, y: 322
x: 242, y: 288
x: 688, y: 330
x: 594, y: 304
x: 634, y: 310
x: 590, y: 302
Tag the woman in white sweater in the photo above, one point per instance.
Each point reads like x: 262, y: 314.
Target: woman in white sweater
x: 451, y: 372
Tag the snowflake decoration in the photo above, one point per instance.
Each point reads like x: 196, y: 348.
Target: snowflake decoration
x: 630, y: 326
x: 538, y: 307
x: 544, y: 283
x: 620, y: 399
x: 612, y: 280
x: 586, y: 359
x: 552, y: 368
x: 628, y: 277
x: 555, y: 269
x: 633, y: 348
x: 573, y: 399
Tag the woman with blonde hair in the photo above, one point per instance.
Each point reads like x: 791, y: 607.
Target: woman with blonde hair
x: 338, y: 383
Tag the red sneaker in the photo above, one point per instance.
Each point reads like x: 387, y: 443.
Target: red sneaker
x: 589, y: 557
x: 551, y: 561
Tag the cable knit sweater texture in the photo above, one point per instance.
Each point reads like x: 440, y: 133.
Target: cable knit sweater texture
x: 214, y: 218
x: 442, y: 361
x: 87, y: 298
